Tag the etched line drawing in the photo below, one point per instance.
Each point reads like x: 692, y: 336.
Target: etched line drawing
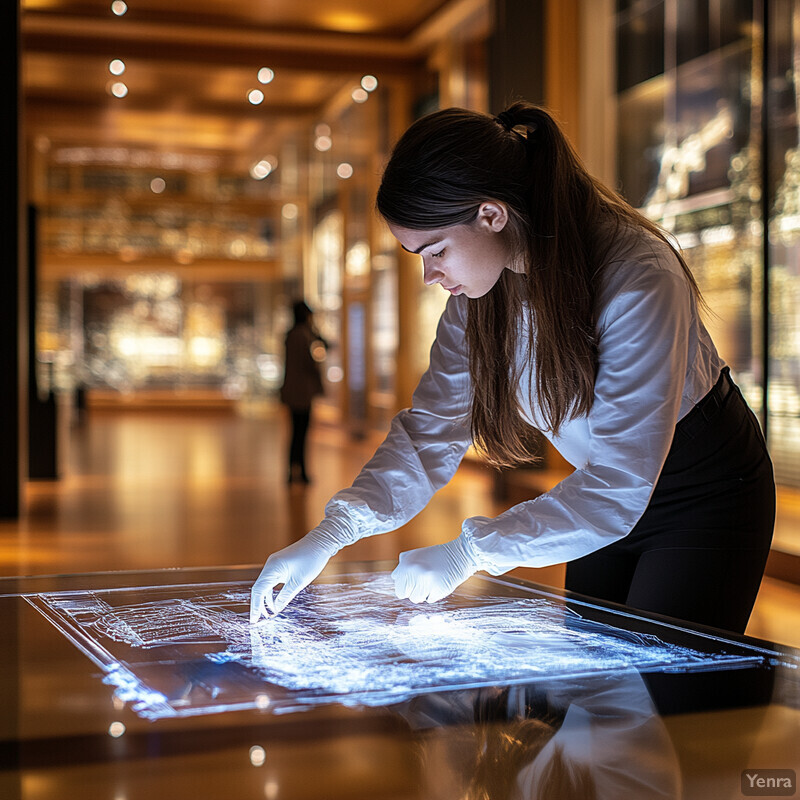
x: 183, y: 650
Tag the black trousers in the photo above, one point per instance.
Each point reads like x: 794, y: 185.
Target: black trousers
x: 300, y: 418
x: 698, y: 552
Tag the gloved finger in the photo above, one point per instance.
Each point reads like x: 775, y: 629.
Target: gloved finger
x: 285, y: 596
x: 256, y: 604
x: 419, y: 593
x: 438, y: 593
x: 402, y: 586
x: 260, y: 601
x: 261, y: 593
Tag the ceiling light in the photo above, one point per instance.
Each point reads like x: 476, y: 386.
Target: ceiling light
x: 257, y: 755
x: 263, y: 168
x: 118, y: 8
x: 369, y: 83
x: 344, y: 170
x: 118, y: 89
x: 116, y: 729
x: 260, y: 170
x: 323, y: 143
x: 265, y: 75
x: 359, y: 95
x: 116, y: 67
x: 255, y: 96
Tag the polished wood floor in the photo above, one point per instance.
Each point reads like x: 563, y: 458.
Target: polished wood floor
x: 152, y: 490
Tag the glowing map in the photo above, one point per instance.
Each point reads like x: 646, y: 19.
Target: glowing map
x: 181, y: 650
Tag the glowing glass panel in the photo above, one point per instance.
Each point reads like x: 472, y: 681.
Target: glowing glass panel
x: 186, y: 650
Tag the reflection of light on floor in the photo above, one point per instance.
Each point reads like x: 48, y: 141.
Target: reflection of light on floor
x: 191, y: 649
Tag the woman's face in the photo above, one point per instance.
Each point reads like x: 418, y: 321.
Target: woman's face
x: 463, y: 259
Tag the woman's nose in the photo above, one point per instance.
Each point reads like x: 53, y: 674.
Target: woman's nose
x: 431, y: 275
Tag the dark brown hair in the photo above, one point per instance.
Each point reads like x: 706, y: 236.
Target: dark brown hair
x: 562, y: 224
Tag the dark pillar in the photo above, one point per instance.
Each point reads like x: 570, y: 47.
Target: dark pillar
x: 516, y: 53
x: 42, y: 408
x: 13, y: 334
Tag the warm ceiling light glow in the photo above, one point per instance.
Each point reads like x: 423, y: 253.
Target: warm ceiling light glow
x: 323, y: 143
x: 322, y: 129
x: 118, y: 89
x: 265, y: 75
x: 369, y: 83
x: 271, y: 789
x: 359, y: 95
x: 344, y: 170
x: 263, y: 168
x: 116, y: 67
x: 257, y: 755
x: 157, y: 185
x: 118, y: 8
x: 255, y: 96
x: 289, y: 211
x: 116, y: 729
x: 347, y: 22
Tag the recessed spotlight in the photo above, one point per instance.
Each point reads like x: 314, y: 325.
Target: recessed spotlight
x: 116, y: 67
x: 257, y: 755
x: 344, y: 170
x: 359, y: 95
x: 369, y: 83
x: 323, y: 143
x: 265, y: 75
x: 255, y: 96
x: 119, y: 8
x: 118, y: 89
x: 263, y: 168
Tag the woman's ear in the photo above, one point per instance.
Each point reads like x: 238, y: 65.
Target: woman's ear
x: 493, y: 215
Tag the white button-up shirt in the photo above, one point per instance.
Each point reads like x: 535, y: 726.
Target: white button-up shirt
x: 655, y: 362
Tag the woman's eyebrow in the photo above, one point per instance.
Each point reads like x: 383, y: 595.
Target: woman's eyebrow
x: 420, y: 248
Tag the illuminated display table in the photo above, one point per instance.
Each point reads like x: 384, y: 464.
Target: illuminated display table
x: 154, y: 684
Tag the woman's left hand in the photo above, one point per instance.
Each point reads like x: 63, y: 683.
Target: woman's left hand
x: 431, y: 573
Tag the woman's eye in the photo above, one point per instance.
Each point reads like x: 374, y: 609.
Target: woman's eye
x: 437, y: 255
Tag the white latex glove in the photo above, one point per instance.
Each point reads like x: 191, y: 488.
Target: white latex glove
x: 431, y: 573
x: 295, y: 567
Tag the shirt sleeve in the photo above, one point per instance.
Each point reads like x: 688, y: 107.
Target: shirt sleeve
x: 423, y: 448
x: 643, y: 328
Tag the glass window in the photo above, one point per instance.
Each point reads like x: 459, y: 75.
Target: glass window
x: 689, y: 156
x: 782, y: 83
x: 640, y: 43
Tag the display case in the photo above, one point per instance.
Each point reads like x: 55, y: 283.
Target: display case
x: 708, y: 147
x: 707, y: 120
x: 152, y: 684
x: 783, y: 176
x: 690, y: 157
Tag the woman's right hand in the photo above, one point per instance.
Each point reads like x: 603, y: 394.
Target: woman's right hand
x: 295, y: 567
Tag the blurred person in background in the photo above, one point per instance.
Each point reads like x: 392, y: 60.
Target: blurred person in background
x: 302, y: 382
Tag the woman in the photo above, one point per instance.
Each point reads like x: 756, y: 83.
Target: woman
x: 572, y: 313
x: 302, y: 382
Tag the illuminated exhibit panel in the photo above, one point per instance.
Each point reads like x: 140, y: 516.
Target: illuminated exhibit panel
x: 190, y: 649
